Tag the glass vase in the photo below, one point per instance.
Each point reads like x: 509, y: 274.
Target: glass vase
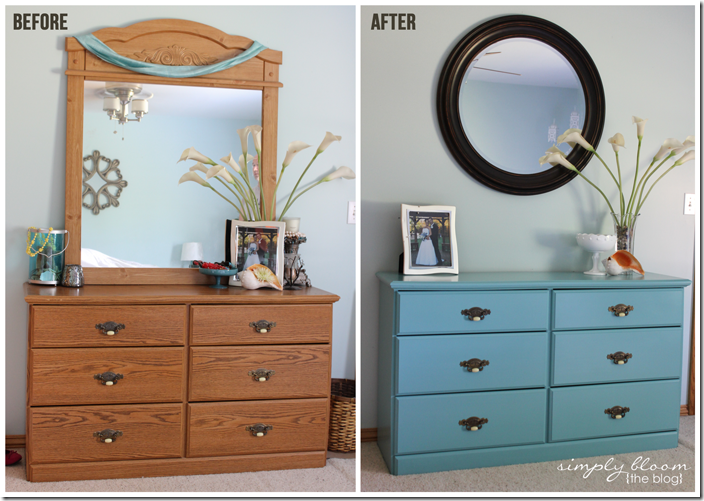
x: 625, y: 231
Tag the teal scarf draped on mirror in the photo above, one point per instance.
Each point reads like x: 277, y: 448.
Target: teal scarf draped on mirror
x: 95, y: 46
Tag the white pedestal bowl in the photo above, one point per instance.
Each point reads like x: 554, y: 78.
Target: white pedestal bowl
x: 596, y: 244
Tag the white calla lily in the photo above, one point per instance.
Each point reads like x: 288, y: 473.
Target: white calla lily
x: 572, y: 138
x: 219, y: 170
x: 242, y: 163
x: 199, y: 166
x: 244, y: 137
x: 342, y: 172
x: 329, y: 138
x: 294, y: 148
x: 555, y: 158
x: 688, y: 143
x: 640, y: 126
x: 192, y: 176
x: 685, y: 158
x: 230, y: 160
x: 617, y: 141
x: 256, y: 131
x: 192, y: 154
x: 667, y: 146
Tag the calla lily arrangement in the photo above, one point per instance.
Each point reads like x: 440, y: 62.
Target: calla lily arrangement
x: 628, y: 208
x: 248, y: 204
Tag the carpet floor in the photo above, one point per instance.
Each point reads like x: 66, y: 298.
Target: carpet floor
x: 544, y: 477
x: 338, y: 475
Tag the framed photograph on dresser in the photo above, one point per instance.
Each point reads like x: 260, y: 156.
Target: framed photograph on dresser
x: 429, y: 239
x: 255, y: 242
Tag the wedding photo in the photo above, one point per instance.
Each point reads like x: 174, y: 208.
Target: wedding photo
x: 428, y: 239
x: 256, y: 246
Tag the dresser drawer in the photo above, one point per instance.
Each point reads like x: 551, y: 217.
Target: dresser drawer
x: 219, y: 429
x: 440, y: 312
x: 223, y: 372
x: 74, y: 326
x: 65, y: 434
x: 66, y: 376
x: 590, y: 309
x: 578, y: 412
x: 429, y: 364
x: 213, y: 325
x: 431, y: 422
x: 581, y: 356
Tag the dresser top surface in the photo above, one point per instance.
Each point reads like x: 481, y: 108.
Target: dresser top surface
x: 171, y: 294
x: 526, y: 280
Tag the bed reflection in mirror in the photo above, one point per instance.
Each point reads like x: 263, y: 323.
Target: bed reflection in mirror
x: 517, y: 96
x: 156, y: 215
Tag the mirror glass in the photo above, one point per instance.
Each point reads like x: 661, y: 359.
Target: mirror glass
x: 155, y: 215
x: 516, y: 97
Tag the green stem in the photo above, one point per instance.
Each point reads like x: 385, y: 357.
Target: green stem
x: 620, y: 184
x: 262, y: 198
x: 653, y: 185
x: 252, y: 195
x: 301, y: 193
x: 607, y: 168
x: 635, y: 180
x: 233, y: 192
x: 226, y: 199
x: 290, y: 202
x: 276, y: 190
x: 646, y: 179
x: 597, y: 189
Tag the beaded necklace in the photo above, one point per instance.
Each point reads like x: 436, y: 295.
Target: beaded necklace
x: 30, y: 244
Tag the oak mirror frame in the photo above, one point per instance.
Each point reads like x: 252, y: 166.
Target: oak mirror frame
x: 467, y: 50
x: 141, y: 41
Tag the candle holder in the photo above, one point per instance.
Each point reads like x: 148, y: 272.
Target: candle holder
x: 295, y: 275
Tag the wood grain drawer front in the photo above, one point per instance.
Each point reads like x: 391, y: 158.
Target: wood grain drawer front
x: 229, y: 372
x: 213, y: 325
x: 219, y: 429
x: 65, y: 434
x: 590, y: 309
x: 66, y: 376
x: 428, y: 364
x: 581, y: 356
x: 74, y: 326
x: 578, y: 412
x: 431, y: 422
x: 441, y: 312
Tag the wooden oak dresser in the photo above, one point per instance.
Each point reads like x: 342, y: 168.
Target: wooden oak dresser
x: 490, y: 369
x: 156, y: 380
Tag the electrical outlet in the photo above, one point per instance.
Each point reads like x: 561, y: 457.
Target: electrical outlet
x: 690, y: 203
x: 351, y: 212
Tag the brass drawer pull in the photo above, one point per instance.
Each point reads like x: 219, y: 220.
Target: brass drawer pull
x: 259, y: 429
x: 262, y: 326
x: 617, y: 412
x: 476, y: 314
x: 474, y: 364
x: 619, y: 357
x: 474, y: 423
x: 108, y: 378
x: 261, y: 374
x: 108, y: 436
x: 621, y: 310
x: 109, y: 328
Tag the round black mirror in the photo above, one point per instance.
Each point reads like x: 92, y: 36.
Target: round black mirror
x: 507, y: 91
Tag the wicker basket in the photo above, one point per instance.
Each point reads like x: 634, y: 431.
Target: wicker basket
x: 342, y: 416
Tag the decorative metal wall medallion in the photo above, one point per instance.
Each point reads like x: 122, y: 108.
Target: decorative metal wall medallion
x: 174, y: 56
x: 95, y: 206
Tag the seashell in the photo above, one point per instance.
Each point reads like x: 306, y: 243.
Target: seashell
x: 621, y: 261
x: 258, y: 276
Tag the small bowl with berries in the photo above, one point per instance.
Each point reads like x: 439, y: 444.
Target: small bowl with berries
x: 217, y: 270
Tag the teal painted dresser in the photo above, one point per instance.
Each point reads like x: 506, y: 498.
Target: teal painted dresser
x: 490, y: 369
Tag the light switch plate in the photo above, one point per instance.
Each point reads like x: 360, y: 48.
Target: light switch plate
x: 690, y: 203
x: 351, y: 212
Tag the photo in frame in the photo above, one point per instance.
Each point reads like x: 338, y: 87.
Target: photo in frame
x: 429, y: 239
x: 255, y: 242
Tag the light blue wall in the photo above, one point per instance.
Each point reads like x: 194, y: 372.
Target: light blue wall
x: 646, y: 58
x: 195, y: 213
x: 492, y: 112
x: 318, y: 74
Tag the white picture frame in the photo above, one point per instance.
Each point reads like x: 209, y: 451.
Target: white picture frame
x: 432, y: 251
x: 251, y: 243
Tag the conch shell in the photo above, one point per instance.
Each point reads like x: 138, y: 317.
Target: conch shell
x: 258, y: 276
x: 620, y: 262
